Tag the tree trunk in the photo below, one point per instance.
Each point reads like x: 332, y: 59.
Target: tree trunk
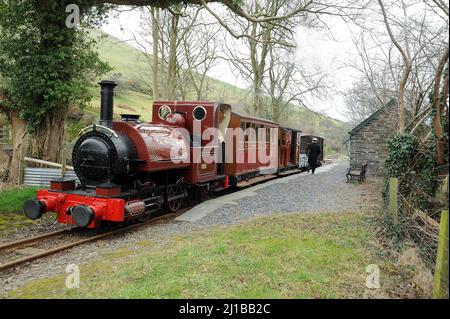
x: 401, y: 97
x: 46, y: 144
x: 155, y: 36
x: 276, y: 111
x: 172, y: 64
x: 257, y: 96
x: 405, y: 73
x: 437, y: 108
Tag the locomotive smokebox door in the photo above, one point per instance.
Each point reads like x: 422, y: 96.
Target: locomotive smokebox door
x: 95, y: 154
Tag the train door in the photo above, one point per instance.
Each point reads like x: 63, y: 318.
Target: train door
x: 297, y: 149
x: 221, y: 164
x: 283, y: 151
x: 293, y: 149
x: 322, y: 146
x: 244, y: 167
x: 224, y: 121
x: 288, y: 144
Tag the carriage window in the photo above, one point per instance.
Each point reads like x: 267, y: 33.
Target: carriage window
x: 243, y: 126
x: 199, y: 113
x: 268, y: 134
x: 242, y: 134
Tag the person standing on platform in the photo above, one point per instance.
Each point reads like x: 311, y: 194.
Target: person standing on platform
x: 313, y: 152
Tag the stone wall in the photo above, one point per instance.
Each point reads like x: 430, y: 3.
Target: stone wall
x: 368, y: 144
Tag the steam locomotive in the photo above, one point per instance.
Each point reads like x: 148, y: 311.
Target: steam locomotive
x: 129, y: 170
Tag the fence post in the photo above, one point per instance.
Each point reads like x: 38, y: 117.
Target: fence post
x: 440, y: 289
x: 21, y: 166
x: 393, y: 199
x: 63, y: 163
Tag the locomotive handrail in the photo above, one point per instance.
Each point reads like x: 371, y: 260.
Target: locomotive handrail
x: 95, y: 126
x: 38, y: 161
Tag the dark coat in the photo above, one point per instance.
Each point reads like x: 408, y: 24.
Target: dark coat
x: 313, y: 151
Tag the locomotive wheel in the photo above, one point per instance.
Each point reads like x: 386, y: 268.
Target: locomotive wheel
x: 173, y: 205
x: 203, y: 194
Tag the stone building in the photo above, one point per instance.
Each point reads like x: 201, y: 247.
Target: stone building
x: 367, y: 141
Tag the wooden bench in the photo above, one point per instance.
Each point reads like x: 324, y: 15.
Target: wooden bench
x: 357, y: 173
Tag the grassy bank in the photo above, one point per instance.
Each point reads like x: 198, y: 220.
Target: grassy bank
x: 11, y: 203
x: 11, y: 199
x: 294, y: 256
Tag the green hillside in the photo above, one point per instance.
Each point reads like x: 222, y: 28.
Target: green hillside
x: 131, y: 70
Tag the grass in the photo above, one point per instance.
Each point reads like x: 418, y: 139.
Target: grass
x: 284, y: 256
x: 11, y: 199
x: 11, y: 203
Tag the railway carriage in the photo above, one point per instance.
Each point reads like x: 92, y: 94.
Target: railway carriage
x: 246, y: 161
x: 129, y: 170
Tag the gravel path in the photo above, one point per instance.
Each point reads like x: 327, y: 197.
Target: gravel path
x: 326, y: 190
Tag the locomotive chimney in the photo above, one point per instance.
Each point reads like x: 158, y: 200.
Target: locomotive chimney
x: 107, y: 102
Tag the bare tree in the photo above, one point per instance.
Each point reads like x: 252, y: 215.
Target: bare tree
x: 183, y: 49
x: 407, y: 60
x: 201, y: 54
x: 287, y: 83
x: 155, y: 52
x: 250, y: 55
x: 401, y: 61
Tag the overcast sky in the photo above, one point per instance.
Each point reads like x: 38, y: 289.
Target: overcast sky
x: 314, y: 48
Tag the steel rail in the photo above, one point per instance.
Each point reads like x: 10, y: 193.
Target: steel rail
x: 92, y: 238
x: 82, y: 241
x: 33, y: 239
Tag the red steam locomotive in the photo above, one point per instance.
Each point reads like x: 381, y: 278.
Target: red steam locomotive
x: 131, y: 170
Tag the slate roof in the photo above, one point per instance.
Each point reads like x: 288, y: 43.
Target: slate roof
x: 354, y: 130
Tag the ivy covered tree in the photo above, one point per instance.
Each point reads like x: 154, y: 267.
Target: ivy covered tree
x: 44, y: 68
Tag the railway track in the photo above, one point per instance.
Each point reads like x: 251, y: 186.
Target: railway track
x: 28, y: 249
x: 22, y: 247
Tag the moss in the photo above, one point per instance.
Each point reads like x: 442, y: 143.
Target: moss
x: 13, y: 221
